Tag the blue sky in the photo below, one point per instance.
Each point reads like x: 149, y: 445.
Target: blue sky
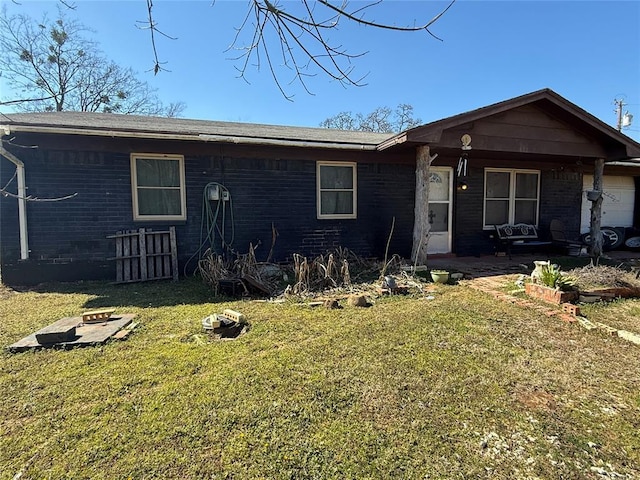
x: 587, y: 51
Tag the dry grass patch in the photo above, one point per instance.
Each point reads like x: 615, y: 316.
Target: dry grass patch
x: 620, y: 314
x: 603, y: 276
x: 6, y: 292
x: 623, y: 314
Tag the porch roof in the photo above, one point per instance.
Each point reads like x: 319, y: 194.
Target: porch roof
x: 613, y: 144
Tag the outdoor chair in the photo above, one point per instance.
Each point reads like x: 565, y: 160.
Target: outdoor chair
x: 559, y: 239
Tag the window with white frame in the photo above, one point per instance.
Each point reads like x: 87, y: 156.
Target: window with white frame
x: 158, y: 186
x: 511, y: 196
x: 336, y: 189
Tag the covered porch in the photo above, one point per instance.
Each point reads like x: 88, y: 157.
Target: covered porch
x: 524, y: 160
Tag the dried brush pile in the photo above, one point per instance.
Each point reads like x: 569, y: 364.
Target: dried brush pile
x: 603, y: 276
x: 337, y: 269
x: 214, y: 268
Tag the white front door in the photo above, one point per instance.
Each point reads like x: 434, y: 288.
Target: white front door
x: 440, y: 209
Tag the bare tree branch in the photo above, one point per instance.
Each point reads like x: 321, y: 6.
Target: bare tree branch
x: 26, y: 100
x: 52, y: 66
x: 69, y: 5
x: 382, y: 119
x: 152, y: 26
x: 342, y: 11
x: 31, y: 198
x: 4, y: 192
x: 301, y: 39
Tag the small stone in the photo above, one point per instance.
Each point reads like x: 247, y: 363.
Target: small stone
x: 600, y: 471
x: 389, y: 282
x: 331, y: 304
x: 358, y: 301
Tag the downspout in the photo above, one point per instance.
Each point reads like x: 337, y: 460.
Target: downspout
x: 22, y: 202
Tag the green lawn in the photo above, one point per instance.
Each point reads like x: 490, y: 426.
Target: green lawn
x: 461, y: 386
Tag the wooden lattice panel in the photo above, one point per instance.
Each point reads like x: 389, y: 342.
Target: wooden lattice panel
x: 145, y: 254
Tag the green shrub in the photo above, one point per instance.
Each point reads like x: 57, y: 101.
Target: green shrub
x: 551, y: 276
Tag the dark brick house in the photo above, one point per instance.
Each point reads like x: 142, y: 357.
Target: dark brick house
x: 317, y: 188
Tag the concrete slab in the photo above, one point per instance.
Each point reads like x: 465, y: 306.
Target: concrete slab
x: 85, y: 334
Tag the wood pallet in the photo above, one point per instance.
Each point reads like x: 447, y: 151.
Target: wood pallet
x: 144, y: 254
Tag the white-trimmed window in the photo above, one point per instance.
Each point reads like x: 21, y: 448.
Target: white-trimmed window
x: 511, y: 196
x: 336, y: 189
x: 158, y: 186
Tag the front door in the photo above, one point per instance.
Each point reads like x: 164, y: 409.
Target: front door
x: 440, y: 209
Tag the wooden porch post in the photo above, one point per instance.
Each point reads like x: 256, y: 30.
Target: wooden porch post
x: 596, y: 211
x: 421, y: 225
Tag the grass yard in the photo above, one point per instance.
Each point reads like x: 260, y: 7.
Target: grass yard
x: 461, y: 386
x: 619, y: 314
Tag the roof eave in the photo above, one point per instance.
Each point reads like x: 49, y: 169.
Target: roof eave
x: 207, y: 138
x: 431, y: 133
x: 393, y: 141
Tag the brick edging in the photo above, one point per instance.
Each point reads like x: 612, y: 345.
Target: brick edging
x: 569, y: 312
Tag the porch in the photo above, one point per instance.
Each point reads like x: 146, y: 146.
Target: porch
x: 491, y: 265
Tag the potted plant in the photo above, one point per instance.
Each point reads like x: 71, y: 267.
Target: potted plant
x: 440, y: 276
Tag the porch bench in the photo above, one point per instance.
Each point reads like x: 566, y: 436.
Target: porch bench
x: 520, y: 235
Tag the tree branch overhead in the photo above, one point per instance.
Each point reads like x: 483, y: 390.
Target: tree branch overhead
x: 299, y: 32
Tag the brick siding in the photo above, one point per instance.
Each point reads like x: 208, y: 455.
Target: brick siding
x: 264, y: 191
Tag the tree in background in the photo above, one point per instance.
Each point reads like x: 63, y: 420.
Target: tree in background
x: 54, y: 67
x: 382, y: 119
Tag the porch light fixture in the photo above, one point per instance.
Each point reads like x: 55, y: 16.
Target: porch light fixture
x: 463, y: 186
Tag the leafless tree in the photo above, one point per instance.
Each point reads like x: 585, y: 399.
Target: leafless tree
x: 296, y: 35
x: 53, y: 66
x: 382, y: 119
x: 404, y: 118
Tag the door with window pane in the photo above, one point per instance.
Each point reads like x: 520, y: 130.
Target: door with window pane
x: 440, y: 181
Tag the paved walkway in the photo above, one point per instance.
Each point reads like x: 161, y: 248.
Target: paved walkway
x: 490, y: 265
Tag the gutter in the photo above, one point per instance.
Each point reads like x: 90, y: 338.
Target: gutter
x: 22, y: 202
x: 190, y: 137
x: 631, y: 162
x: 391, y: 142
x: 278, y: 142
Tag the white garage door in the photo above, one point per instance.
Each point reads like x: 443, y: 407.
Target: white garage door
x: 617, y: 202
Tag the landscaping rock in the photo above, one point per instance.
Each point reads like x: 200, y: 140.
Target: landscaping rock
x: 358, y: 301
x: 332, y: 304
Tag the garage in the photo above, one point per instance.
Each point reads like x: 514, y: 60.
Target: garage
x: 617, y: 201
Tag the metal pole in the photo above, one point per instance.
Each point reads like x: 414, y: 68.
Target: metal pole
x: 619, y: 105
